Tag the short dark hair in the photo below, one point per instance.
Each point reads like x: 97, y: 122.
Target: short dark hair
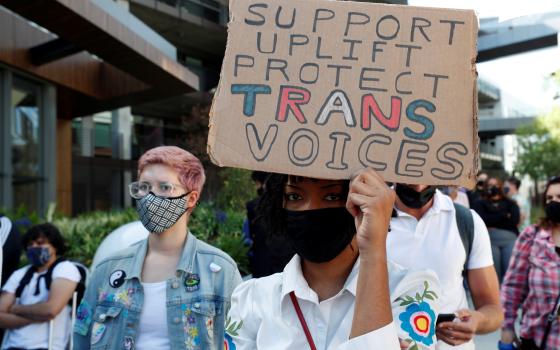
x: 48, y: 231
x: 515, y: 181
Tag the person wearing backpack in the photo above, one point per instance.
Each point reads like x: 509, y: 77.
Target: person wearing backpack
x: 429, y: 231
x: 39, y: 293
x: 532, y: 281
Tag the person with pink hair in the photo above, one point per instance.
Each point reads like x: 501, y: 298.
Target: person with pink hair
x: 169, y: 291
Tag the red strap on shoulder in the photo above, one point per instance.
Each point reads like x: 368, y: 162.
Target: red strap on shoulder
x: 302, y: 321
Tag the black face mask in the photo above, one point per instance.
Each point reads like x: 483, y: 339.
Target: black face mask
x: 413, y: 199
x: 552, y: 211
x: 319, y: 235
x: 480, y: 184
x: 492, y: 191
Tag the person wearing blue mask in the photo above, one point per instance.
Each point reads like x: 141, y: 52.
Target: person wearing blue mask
x: 29, y: 302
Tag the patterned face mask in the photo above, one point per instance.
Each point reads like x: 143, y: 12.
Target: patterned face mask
x: 158, y: 213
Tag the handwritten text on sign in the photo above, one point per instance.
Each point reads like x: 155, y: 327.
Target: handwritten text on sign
x: 323, y: 88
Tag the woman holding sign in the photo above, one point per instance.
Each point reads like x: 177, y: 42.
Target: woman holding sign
x: 338, y: 291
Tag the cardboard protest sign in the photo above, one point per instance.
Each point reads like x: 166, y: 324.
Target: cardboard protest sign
x: 324, y: 88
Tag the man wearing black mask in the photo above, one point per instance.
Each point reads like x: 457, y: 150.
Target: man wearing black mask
x: 425, y: 234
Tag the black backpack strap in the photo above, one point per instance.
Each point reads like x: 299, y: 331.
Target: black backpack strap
x: 465, y: 224
x: 25, y: 280
x: 48, y: 276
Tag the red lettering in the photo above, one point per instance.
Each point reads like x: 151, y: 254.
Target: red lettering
x: 290, y: 99
x: 370, y: 105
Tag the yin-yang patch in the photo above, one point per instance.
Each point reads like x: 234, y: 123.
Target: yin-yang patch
x: 117, y: 278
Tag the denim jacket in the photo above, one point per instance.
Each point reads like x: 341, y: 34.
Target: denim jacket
x: 198, y: 298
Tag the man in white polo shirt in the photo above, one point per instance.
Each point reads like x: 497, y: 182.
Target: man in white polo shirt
x: 424, y: 234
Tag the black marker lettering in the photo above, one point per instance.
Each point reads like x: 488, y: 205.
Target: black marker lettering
x: 349, y: 21
x: 310, y: 152
x: 318, y: 17
x: 454, y: 167
x: 436, y: 80
x: 364, y: 151
x: 409, y: 49
x: 426, y: 24
x: 238, y: 63
x: 260, y: 149
x: 281, y: 66
x: 337, y: 158
x: 259, y: 42
x: 389, y: 35
x: 452, y: 25
x: 410, y: 158
x: 288, y: 25
x: 262, y: 19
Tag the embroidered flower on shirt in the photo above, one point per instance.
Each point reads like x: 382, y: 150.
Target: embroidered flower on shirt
x: 418, y: 320
x: 228, y: 343
x: 231, y: 330
x: 193, y: 338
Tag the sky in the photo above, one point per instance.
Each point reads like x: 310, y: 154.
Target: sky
x: 522, y: 76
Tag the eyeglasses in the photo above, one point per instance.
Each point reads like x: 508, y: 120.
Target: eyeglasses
x: 140, y: 190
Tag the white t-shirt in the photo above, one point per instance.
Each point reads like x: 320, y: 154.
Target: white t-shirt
x: 5, y: 229
x: 152, y: 328
x: 36, y: 335
x: 434, y: 243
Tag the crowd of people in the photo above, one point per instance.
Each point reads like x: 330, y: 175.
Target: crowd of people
x: 338, y: 264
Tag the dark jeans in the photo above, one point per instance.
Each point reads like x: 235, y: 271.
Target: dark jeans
x: 502, y: 242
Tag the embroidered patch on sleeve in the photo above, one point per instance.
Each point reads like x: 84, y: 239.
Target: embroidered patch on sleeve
x: 232, y: 329
x: 83, y: 318
x: 418, y: 320
x: 97, y: 332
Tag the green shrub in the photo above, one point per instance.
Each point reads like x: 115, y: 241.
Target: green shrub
x: 237, y: 189
x: 84, y: 233
x: 222, y: 229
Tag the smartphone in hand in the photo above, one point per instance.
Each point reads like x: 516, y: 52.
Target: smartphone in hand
x: 445, y: 318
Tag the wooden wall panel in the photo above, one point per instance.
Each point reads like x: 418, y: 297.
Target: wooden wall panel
x: 64, y: 166
x: 80, y: 72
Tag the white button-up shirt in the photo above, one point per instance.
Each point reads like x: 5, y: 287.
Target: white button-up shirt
x: 262, y: 315
x: 434, y: 243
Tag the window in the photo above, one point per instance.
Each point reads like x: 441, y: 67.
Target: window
x: 28, y: 159
x: 26, y: 124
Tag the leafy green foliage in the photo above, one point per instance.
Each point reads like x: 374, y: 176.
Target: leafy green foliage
x: 426, y: 294
x: 237, y: 189
x: 539, y: 147
x: 83, y: 234
x: 222, y: 229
